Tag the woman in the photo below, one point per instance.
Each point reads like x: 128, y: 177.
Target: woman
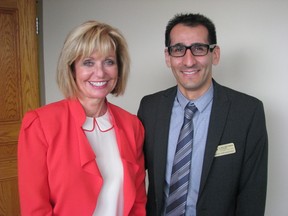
x: 83, y: 155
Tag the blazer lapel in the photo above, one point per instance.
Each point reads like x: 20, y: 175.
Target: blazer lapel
x: 86, y: 154
x: 129, y: 168
x: 127, y: 154
x: 219, y: 113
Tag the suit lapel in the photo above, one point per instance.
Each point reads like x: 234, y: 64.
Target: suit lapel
x: 219, y: 113
x: 161, y: 140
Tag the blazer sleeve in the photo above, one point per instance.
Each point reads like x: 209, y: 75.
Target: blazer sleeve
x: 253, y: 180
x: 32, y: 169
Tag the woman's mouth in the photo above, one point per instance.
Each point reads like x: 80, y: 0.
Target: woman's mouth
x: 98, y: 84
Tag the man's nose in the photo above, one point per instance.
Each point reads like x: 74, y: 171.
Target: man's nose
x: 189, y: 59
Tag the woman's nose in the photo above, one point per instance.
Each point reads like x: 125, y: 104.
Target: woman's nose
x: 98, y: 70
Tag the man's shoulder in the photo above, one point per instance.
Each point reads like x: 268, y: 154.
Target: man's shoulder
x: 169, y: 92
x: 234, y: 94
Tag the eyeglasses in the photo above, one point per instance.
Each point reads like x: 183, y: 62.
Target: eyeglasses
x: 197, y: 49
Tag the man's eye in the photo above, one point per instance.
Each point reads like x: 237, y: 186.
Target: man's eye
x: 200, y: 48
x: 178, y: 49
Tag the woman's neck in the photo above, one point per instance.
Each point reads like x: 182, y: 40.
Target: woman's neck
x: 94, y: 107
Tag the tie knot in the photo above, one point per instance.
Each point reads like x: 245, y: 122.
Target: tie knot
x: 190, y: 109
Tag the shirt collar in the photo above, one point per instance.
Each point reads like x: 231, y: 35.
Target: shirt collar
x: 201, y: 103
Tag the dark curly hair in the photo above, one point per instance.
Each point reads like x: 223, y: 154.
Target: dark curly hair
x: 191, y: 20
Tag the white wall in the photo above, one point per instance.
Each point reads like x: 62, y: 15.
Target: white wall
x: 252, y: 34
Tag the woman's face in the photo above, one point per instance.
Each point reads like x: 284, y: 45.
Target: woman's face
x: 96, y: 75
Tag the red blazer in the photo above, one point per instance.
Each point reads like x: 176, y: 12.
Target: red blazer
x: 58, y: 174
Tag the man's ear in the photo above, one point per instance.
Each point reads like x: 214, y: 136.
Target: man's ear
x: 216, y: 55
x: 167, y: 58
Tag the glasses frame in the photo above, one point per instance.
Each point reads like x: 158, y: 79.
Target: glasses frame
x: 210, y: 47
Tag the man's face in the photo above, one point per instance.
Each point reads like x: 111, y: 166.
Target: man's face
x: 193, y: 73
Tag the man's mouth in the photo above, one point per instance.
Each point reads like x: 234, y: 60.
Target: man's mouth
x: 190, y: 72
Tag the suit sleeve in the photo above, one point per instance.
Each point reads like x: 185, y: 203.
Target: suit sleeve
x: 253, y: 181
x: 32, y: 169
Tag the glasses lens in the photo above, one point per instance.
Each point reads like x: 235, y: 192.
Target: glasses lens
x: 177, y: 50
x: 199, y: 49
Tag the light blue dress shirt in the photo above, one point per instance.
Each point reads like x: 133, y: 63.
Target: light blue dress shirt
x: 201, y: 123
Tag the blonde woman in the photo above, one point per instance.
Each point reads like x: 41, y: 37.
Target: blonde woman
x: 83, y: 155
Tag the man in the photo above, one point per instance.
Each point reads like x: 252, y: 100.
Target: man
x: 227, y: 172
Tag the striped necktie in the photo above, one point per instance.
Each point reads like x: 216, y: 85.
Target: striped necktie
x: 176, y: 201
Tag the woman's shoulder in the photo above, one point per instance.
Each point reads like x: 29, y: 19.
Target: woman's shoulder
x: 50, y: 111
x: 54, y: 106
x: 121, y: 112
x: 121, y: 115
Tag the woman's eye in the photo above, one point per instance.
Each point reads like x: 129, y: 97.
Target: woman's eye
x: 88, y: 63
x: 109, y: 62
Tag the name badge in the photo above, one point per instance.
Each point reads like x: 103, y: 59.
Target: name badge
x: 225, y: 149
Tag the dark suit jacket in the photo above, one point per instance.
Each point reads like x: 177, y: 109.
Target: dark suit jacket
x: 232, y: 184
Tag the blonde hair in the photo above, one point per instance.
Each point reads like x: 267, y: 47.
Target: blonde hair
x: 81, y: 42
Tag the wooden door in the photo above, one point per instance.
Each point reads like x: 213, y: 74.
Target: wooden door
x: 18, y: 90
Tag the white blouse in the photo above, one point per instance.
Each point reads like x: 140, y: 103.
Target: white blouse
x: 101, y: 135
